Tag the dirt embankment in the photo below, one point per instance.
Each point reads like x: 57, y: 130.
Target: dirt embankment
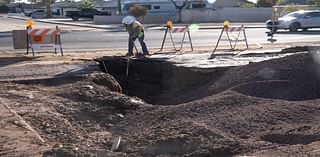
x: 270, y: 107
x: 266, y: 109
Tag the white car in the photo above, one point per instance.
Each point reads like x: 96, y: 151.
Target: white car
x: 294, y: 21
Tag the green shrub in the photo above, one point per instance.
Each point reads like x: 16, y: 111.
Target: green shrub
x: 292, y: 7
x: 3, y: 9
x: 314, y: 2
x: 248, y: 5
x: 86, y: 4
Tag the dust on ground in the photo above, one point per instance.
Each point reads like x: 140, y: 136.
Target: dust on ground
x: 269, y: 108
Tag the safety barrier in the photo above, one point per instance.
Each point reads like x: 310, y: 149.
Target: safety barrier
x: 274, y: 20
x: 43, y: 38
x: 171, y: 30
x: 232, y: 38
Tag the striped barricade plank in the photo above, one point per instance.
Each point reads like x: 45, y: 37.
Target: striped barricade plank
x: 44, y: 38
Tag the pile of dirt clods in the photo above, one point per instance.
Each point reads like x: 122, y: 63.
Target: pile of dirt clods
x: 264, y: 109
x: 271, y: 108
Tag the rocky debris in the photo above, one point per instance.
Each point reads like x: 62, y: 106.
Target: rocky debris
x: 106, y: 80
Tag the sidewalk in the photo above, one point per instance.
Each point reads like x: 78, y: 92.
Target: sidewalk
x: 119, y: 27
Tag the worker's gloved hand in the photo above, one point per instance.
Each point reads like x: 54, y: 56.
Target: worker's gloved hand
x: 140, y: 34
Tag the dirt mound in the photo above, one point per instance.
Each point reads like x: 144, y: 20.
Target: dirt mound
x: 233, y: 115
x: 301, y: 70
x: 240, y: 111
x: 221, y: 125
x: 72, y: 114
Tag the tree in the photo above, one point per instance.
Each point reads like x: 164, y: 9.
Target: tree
x: 282, y: 2
x: 138, y: 11
x: 248, y: 5
x: 267, y: 3
x: 86, y: 4
x: 314, y: 2
x: 185, y: 2
x: 119, y: 7
x: 292, y: 7
x: 4, y: 2
x: 3, y: 5
x: 48, y: 6
x: 180, y: 7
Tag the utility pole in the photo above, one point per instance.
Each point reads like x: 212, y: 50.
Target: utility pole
x: 119, y: 7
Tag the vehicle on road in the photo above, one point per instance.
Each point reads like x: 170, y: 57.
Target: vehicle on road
x: 87, y: 13
x: 40, y: 13
x: 304, y: 19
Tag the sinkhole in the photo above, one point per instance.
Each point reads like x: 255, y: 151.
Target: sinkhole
x: 156, y: 81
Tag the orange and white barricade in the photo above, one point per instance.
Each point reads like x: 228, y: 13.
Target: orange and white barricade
x: 44, y: 38
x: 171, y: 30
x: 233, y: 36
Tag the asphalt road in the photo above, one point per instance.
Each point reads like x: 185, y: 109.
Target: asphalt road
x: 110, y: 39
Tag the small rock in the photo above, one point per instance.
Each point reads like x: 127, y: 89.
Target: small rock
x: 110, y: 125
x: 88, y: 86
x: 76, y: 148
x: 120, y: 115
x: 115, y: 143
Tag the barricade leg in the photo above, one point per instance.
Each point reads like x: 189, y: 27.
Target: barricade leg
x: 245, y: 38
x: 217, y: 43
x: 56, y: 43
x: 27, y: 42
x: 60, y: 42
x: 32, y: 52
x: 172, y: 41
x: 164, y: 39
x: 235, y: 42
x: 190, y: 40
x: 229, y: 40
x: 184, y: 36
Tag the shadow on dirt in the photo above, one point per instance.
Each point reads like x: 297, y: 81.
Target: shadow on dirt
x: 286, y: 90
x: 5, y: 61
x: 291, y: 138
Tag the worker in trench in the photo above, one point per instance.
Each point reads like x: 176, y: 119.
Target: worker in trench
x: 135, y: 30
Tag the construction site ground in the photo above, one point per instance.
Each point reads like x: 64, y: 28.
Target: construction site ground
x: 261, y: 104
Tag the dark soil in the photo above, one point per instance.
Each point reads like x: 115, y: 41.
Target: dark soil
x: 268, y: 108
x: 241, y: 111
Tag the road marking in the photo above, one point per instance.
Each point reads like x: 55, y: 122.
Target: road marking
x: 115, y: 34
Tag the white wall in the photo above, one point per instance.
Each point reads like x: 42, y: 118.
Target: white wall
x: 231, y: 14
x: 208, y: 15
x: 146, y: 20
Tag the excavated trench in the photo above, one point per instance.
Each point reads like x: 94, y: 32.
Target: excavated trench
x: 159, y: 82
x: 156, y: 81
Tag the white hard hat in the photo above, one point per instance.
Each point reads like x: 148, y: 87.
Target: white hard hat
x: 128, y: 20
